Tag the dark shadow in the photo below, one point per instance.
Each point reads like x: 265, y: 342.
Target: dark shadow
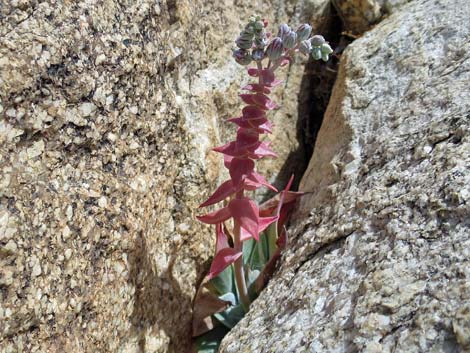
x: 315, y: 92
x: 160, y: 303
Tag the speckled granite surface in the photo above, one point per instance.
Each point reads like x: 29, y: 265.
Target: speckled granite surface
x: 379, y: 256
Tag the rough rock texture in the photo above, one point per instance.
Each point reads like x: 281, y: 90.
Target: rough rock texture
x: 379, y: 256
x: 108, y: 111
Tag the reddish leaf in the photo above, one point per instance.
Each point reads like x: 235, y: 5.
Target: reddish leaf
x: 259, y: 180
x: 246, y: 213
x: 255, y: 87
x: 221, y: 240
x: 255, y: 151
x: 262, y: 151
x: 247, y: 137
x: 253, y: 112
x: 240, y: 168
x: 286, y: 209
x: 205, y: 305
x: 281, y: 242
x: 218, y: 216
x: 232, y: 149
x: 268, y: 76
x: 247, y: 98
x: 222, y: 259
x: 286, y: 60
x: 275, y: 83
x: 264, y: 223
x: 227, y: 161
x: 268, y: 207
x: 261, y: 125
x: 223, y: 191
x: 253, y: 72
x: 263, y: 101
x: 267, y: 127
x: 260, y: 100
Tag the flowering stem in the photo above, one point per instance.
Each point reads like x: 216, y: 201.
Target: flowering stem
x: 239, y: 271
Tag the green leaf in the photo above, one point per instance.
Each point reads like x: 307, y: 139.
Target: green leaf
x: 271, y: 239
x: 263, y: 248
x: 252, y: 288
x: 230, y: 317
x: 210, y: 341
x: 256, y: 261
x: 229, y: 297
x: 252, y: 276
x: 224, y: 282
x: 248, y: 247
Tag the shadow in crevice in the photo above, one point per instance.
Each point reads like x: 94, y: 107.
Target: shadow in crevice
x: 313, y: 98
x: 160, y: 304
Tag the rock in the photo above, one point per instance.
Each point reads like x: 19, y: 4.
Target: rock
x: 86, y: 109
x: 378, y: 257
x: 109, y: 112
x: 358, y: 15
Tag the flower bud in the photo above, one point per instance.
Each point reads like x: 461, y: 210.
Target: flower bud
x: 261, y: 43
x: 289, y: 40
x: 326, y: 49
x: 317, y: 40
x: 303, y: 32
x: 316, y: 53
x: 257, y: 54
x: 274, y: 50
x: 259, y: 25
x: 241, y: 56
x: 249, y: 29
x: 283, y: 30
x: 244, y: 43
x: 305, y: 47
x: 246, y: 34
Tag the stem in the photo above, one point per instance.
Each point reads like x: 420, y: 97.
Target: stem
x: 260, y: 68
x: 239, y: 270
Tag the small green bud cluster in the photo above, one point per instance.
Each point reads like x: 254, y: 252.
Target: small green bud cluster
x: 253, y: 43
x: 320, y: 48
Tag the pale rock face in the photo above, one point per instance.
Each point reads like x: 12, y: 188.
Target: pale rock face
x: 108, y: 113
x: 379, y: 251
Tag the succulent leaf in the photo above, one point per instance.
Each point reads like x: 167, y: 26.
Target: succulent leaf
x: 222, y: 259
x: 210, y: 342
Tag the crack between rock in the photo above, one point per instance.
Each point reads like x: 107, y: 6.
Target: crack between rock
x: 334, y: 244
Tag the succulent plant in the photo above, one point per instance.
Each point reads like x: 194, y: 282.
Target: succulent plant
x: 249, y: 238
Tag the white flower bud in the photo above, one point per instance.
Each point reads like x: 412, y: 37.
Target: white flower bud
x: 289, y: 40
x: 257, y: 54
x: 316, y: 53
x: 241, y: 56
x: 305, y: 47
x: 283, y: 30
x: 274, y: 50
x: 326, y: 49
x: 303, y: 32
x: 317, y: 40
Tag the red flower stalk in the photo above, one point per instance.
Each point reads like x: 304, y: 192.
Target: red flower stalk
x: 240, y: 155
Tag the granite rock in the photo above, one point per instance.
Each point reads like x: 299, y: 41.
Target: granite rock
x: 378, y: 259
x: 108, y: 113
